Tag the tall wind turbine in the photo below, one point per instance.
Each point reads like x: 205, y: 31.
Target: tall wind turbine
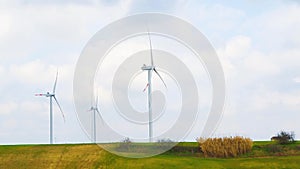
x: 150, y: 69
x: 94, y: 110
x: 52, y: 95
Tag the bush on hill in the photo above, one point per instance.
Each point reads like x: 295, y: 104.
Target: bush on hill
x: 284, y: 137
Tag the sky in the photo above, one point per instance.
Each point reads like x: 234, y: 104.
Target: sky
x: 257, y: 43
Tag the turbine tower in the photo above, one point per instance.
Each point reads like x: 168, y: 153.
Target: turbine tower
x: 94, y: 110
x: 52, y: 95
x: 150, y: 69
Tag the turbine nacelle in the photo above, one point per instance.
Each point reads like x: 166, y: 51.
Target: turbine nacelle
x: 145, y: 67
x: 50, y: 94
x: 46, y: 95
x: 93, y: 108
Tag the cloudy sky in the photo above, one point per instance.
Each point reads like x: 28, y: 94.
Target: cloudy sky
x: 257, y: 42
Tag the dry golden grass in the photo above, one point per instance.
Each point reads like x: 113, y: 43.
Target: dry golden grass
x: 225, y: 147
x: 52, y: 156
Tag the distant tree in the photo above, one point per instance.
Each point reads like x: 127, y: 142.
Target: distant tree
x: 284, y: 137
x: 165, y: 143
x: 125, y: 145
x: 126, y: 140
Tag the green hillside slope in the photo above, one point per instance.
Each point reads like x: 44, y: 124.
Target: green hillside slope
x: 92, y: 156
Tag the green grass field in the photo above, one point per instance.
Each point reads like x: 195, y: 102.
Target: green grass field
x: 264, y: 155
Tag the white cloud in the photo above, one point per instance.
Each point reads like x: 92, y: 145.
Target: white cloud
x: 6, y: 108
x: 11, y: 123
x: 260, y: 64
x: 238, y: 46
x: 42, y: 75
x: 234, y: 52
x: 296, y: 79
x: 277, y: 29
x: 5, y: 24
x: 34, y: 72
x: 240, y: 59
x: 291, y: 100
x: 36, y: 29
x: 1, y: 71
x: 286, y: 59
x: 33, y: 107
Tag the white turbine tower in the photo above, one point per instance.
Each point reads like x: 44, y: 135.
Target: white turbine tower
x: 149, y: 85
x: 94, y: 110
x: 52, y: 95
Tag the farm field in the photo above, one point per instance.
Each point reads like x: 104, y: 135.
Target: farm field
x: 264, y: 155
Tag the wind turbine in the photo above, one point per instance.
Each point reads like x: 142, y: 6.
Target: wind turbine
x: 94, y: 110
x: 150, y: 69
x: 52, y: 95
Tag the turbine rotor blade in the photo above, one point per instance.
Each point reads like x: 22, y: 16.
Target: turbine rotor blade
x: 146, y: 87
x: 40, y: 94
x: 54, y: 86
x: 92, y: 101
x: 99, y: 114
x: 150, y: 43
x: 96, y: 100
x: 59, y: 108
x: 160, y: 77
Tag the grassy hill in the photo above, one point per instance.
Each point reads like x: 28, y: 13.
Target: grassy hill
x: 263, y: 155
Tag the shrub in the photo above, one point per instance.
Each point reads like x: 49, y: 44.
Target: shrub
x: 285, y: 137
x: 273, y: 148
x: 165, y: 143
x: 165, y: 140
x: 225, y: 147
x: 185, y: 149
